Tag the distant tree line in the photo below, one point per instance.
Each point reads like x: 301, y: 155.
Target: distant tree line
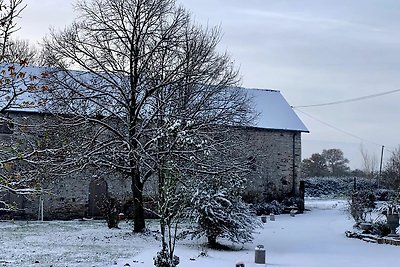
x: 332, y: 162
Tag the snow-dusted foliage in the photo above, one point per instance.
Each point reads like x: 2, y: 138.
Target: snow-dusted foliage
x: 18, y: 148
x: 333, y: 187
x: 267, y: 208
x: 163, y: 260
x: 219, y: 211
x: 361, y: 203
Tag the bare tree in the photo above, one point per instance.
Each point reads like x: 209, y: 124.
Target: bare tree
x: 15, y: 82
x: 369, y: 161
x: 391, y: 172
x: 9, y: 12
x: 20, y: 51
x: 136, y: 58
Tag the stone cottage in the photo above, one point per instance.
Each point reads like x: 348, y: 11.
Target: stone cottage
x: 275, y: 155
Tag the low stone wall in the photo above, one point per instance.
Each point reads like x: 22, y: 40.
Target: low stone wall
x: 395, y: 241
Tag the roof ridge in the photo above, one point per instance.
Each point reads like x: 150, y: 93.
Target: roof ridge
x: 263, y: 89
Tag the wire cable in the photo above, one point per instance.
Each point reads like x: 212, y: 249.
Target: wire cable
x: 342, y: 131
x: 349, y: 100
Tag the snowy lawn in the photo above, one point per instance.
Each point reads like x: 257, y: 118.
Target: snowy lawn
x: 312, y: 239
x: 66, y: 243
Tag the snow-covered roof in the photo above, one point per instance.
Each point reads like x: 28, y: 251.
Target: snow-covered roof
x: 21, y: 87
x: 274, y: 111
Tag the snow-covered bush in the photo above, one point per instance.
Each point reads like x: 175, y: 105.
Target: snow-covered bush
x: 164, y: 260
x: 220, y: 212
x: 390, y: 206
x: 384, y: 194
x: 267, y: 208
x: 361, y: 203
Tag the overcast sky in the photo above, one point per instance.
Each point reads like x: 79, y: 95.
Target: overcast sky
x: 313, y: 51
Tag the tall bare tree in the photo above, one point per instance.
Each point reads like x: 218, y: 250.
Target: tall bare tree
x: 14, y: 81
x: 20, y: 51
x: 391, y: 172
x: 137, y: 59
x: 9, y: 11
x: 369, y: 161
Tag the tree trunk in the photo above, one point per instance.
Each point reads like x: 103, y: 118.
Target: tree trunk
x: 137, y: 190
x: 212, y: 241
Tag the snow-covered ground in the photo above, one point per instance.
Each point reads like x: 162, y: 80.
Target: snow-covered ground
x: 312, y: 239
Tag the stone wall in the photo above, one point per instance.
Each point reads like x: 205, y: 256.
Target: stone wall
x: 69, y: 196
x: 65, y: 196
x: 276, y: 159
x: 274, y: 156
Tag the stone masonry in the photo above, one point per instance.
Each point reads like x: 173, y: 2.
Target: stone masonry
x: 275, y: 157
x: 276, y: 164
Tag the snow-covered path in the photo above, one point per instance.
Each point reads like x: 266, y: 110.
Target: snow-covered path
x: 317, y: 239
x: 314, y: 239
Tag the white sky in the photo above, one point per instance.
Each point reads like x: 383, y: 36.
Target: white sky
x: 314, y: 51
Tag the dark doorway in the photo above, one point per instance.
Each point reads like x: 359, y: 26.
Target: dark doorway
x: 98, y: 190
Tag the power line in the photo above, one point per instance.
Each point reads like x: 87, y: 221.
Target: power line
x: 342, y: 131
x: 349, y: 100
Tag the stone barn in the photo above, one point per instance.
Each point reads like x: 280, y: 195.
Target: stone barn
x: 274, y: 143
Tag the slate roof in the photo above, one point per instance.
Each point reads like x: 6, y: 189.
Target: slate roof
x: 274, y: 111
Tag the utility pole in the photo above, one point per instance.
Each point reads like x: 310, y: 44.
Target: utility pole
x: 380, y: 168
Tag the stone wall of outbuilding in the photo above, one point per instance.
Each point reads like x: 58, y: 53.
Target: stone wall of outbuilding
x: 274, y: 156
x: 275, y: 167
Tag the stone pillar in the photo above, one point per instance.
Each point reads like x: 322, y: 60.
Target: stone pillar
x: 259, y: 255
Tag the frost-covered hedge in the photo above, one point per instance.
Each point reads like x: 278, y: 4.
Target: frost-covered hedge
x: 334, y: 187
x: 267, y: 208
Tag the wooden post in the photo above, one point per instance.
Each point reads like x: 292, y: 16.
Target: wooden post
x: 301, y: 196
x: 380, y: 169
